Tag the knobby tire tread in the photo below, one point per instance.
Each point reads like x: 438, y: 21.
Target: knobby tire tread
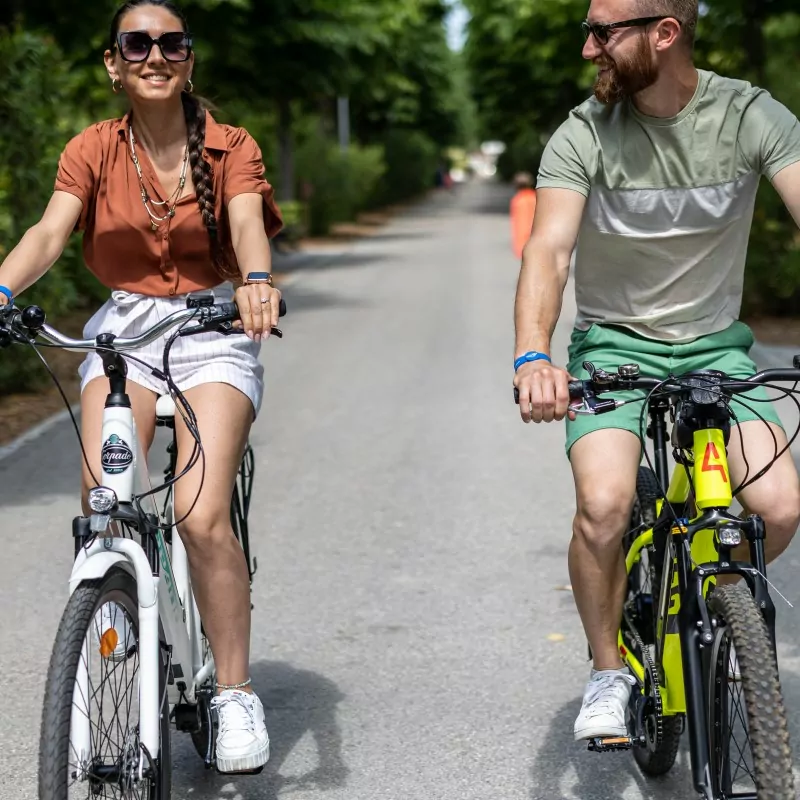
x: 766, y: 714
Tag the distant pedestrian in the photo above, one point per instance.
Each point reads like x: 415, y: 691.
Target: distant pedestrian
x: 523, y: 207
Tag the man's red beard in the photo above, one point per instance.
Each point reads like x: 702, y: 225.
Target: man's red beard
x: 625, y: 77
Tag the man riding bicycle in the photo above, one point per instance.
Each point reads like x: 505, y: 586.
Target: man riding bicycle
x: 652, y: 183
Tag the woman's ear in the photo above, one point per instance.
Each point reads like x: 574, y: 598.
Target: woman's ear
x: 111, y: 69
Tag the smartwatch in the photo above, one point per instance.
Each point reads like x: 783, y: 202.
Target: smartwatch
x: 259, y: 277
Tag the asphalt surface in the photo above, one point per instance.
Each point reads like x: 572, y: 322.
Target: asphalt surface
x: 414, y: 633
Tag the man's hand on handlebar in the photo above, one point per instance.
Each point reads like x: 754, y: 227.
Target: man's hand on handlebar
x: 543, y: 392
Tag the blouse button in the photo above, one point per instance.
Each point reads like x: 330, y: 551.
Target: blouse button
x: 171, y: 292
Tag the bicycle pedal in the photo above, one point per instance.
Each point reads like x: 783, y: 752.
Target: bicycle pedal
x: 610, y: 744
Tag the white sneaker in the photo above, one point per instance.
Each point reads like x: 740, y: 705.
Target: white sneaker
x: 604, y: 704
x: 113, y: 634
x: 242, y: 740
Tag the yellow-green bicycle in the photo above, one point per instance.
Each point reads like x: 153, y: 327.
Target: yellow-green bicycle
x: 703, y: 655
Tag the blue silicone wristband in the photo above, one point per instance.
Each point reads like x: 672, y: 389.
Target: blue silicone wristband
x: 531, y: 355
x: 8, y: 293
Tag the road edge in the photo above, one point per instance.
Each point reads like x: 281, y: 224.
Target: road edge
x: 36, y: 431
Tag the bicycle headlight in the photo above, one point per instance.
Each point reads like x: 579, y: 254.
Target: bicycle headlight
x: 729, y: 534
x: 102, y: 500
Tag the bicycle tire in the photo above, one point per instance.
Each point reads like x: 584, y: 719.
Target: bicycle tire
x: 655, y: 758
x: 738, y: 621
x: 117, y: 586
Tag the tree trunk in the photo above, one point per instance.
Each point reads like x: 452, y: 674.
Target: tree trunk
x: 753, y: 40
x: 285, y: 150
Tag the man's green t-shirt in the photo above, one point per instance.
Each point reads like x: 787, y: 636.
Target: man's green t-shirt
x: 663, y: 240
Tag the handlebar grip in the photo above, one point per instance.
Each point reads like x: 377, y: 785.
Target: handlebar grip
x: 576, y: 390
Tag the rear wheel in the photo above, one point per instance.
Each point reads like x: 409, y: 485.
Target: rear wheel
x: 662, y: 734
x: 92, y: 684
x: 748, y: 733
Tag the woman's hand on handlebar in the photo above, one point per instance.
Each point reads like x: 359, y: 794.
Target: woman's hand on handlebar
x: 259, y: 309
x: 543, y: 392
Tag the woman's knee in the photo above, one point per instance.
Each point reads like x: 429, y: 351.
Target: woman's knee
x: 204, y: 531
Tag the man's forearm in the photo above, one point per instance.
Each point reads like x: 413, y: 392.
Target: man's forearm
x: 540, y: 292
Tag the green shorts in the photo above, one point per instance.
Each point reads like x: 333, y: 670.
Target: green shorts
x: 608, y: 346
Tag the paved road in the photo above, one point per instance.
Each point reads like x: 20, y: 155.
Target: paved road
x: 413, y: 637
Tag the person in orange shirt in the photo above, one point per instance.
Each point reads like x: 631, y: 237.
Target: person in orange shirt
x: 170, y: 202
x: 523, y: 207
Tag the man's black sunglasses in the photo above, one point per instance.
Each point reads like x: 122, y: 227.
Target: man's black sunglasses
x: 136, y: 45
x: 601, y: 32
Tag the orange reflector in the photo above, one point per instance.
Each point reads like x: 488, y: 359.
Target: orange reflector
x: 108, y: 642
x: 622, y: 740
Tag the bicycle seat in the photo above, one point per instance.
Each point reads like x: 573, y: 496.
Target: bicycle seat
x: 165, y: 407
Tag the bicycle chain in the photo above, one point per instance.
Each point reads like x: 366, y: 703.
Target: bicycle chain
x: 647, y: 662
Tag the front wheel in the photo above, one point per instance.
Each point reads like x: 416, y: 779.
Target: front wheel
x: 90, y: 721
x: 748, y: 734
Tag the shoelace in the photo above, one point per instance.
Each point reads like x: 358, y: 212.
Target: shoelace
x: 600, y: 686
x: 238, y: 706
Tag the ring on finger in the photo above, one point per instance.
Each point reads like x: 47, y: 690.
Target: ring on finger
x: 265, y: 300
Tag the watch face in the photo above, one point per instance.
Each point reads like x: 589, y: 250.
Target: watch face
x: 253, y: 277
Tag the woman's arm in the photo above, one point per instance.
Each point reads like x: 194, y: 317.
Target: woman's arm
x: 41, y: 245
x: 251, y: 246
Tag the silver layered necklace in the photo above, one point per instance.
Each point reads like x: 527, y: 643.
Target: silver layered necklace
x: 150, y: 205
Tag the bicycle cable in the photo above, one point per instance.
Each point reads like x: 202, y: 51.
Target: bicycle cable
x: 182, y: 406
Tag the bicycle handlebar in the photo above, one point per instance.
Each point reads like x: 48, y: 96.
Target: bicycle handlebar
x: 30, y: 323
x: 627, y: 378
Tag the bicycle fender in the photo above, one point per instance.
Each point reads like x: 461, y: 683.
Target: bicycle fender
x: 95, y: 567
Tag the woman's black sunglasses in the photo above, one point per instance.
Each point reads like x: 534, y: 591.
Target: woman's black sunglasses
x: 601, y: 32
x: 136, y: 45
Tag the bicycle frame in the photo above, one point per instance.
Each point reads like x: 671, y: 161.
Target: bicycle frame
x: 167, y: 608
x: 693, y: 558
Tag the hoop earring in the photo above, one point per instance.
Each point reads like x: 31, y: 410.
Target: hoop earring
x: 189, y: 86
x: 116, y: 85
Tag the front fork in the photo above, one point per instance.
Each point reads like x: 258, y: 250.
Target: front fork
x: 697, y: 634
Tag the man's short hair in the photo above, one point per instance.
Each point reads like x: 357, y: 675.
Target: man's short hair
x: 685, y: 11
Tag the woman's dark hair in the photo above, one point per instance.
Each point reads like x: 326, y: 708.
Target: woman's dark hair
x: 195, y: 114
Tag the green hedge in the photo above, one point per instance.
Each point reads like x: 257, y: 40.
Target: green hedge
x: 36, y: 120
x: 341, y: 183
x: 411, y: 161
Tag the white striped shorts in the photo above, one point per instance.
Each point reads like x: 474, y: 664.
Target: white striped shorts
x: 193, y: 360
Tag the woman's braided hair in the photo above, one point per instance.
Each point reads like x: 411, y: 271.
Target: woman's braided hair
x: 195, y: 114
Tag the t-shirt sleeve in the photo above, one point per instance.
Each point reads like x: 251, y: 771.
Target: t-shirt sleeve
x: 566, y: 157
x: 244, y: 173
x: 77, y: 172
x: 769, y: 135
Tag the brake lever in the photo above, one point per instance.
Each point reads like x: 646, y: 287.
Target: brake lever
x: 227, y: 329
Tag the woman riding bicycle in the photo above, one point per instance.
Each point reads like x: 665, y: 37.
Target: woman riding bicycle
x: 170, y: 202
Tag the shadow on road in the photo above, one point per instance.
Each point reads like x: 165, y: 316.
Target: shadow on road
x: 297, y: 702
x: 565, y: 769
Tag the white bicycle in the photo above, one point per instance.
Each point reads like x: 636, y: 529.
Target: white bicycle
x: 130, y: 655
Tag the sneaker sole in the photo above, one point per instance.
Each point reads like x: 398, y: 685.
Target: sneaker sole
x: 249, y: 763
x: 600, y: 732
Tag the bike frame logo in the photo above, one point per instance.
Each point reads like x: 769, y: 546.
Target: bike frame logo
x: 115, y: 456
x: 708, y: 466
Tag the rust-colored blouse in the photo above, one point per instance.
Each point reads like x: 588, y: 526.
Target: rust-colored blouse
x: 119, y: 245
